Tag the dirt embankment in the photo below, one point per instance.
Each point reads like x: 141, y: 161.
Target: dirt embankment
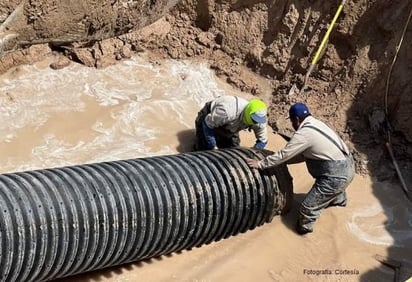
x: 277, y: 40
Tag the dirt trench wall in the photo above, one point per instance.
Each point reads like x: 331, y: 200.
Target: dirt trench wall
x: 278, y: 40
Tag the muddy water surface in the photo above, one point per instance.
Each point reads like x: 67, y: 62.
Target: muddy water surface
x: 78, y: 115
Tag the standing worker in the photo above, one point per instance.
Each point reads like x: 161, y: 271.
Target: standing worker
x: 327, y: 158
x: 218, y: 123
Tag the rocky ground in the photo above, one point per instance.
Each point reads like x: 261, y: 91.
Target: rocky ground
x: 266, y: 48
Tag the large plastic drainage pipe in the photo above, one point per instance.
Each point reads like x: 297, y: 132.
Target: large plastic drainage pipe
x: 64, y: 221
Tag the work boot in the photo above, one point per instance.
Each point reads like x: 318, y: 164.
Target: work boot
x: 302, y: 230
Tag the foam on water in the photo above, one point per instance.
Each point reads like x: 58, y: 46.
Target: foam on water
x: 145, y: 102
x: 365, y: 226
x: 31, y: 98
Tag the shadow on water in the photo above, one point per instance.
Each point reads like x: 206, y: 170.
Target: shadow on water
x: 383, y: 34
x: 289, y: 219
x: 186, y: 140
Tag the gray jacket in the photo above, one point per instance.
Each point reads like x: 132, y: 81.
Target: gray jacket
x: 227, y: 112
x: 311, y: 144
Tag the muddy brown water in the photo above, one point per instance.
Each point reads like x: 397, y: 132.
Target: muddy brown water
x: 136, y: 109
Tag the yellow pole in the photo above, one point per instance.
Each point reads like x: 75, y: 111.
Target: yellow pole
x: 323, y: 43
x: 325, y: 38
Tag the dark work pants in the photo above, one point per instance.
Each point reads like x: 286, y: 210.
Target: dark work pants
x: 224, y: 138
x: 331, y: 180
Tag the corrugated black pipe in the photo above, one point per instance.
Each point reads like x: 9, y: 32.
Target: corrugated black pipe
x: 64, y: 221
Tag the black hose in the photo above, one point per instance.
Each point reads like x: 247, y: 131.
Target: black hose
x: 65, y: 221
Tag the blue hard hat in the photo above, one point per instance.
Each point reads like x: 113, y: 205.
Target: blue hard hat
x: 298, y: 110
x: 259, y: 116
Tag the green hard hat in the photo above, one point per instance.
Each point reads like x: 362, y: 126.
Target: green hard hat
x: 255, y: 112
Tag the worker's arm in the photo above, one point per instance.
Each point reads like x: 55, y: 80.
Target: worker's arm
x: 259, y: 145
x: 297, y: 144
x: 261, y: 134
x: 217, y: 118
x: 209, y: 136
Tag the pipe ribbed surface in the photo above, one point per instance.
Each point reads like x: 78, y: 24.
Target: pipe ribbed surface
x: 64, y: 221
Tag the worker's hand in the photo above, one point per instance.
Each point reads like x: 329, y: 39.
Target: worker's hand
x: 252, y: 163
x: 215, y: 148
x: 259, y: 145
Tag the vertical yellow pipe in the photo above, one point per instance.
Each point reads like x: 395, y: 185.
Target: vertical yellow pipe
x: 322, y: 44
x: 326, y: 37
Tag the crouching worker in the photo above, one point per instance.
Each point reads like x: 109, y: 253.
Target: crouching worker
x: 327, y: 158
x: 218, y: 123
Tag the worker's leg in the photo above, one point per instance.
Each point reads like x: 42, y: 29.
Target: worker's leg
x: 200, y: 143
x: 225, y: 139
x: 339, y: 201
x: 235, y: 140
x: 323, y: 192
x: 326, y: 191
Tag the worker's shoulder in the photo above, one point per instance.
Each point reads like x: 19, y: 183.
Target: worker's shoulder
x: 229, y: 97
x: 315, y: 127
x: 311, y: 121
x: 228, y: 100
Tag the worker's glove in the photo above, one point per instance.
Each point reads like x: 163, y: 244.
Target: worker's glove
x: 259, y: 145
